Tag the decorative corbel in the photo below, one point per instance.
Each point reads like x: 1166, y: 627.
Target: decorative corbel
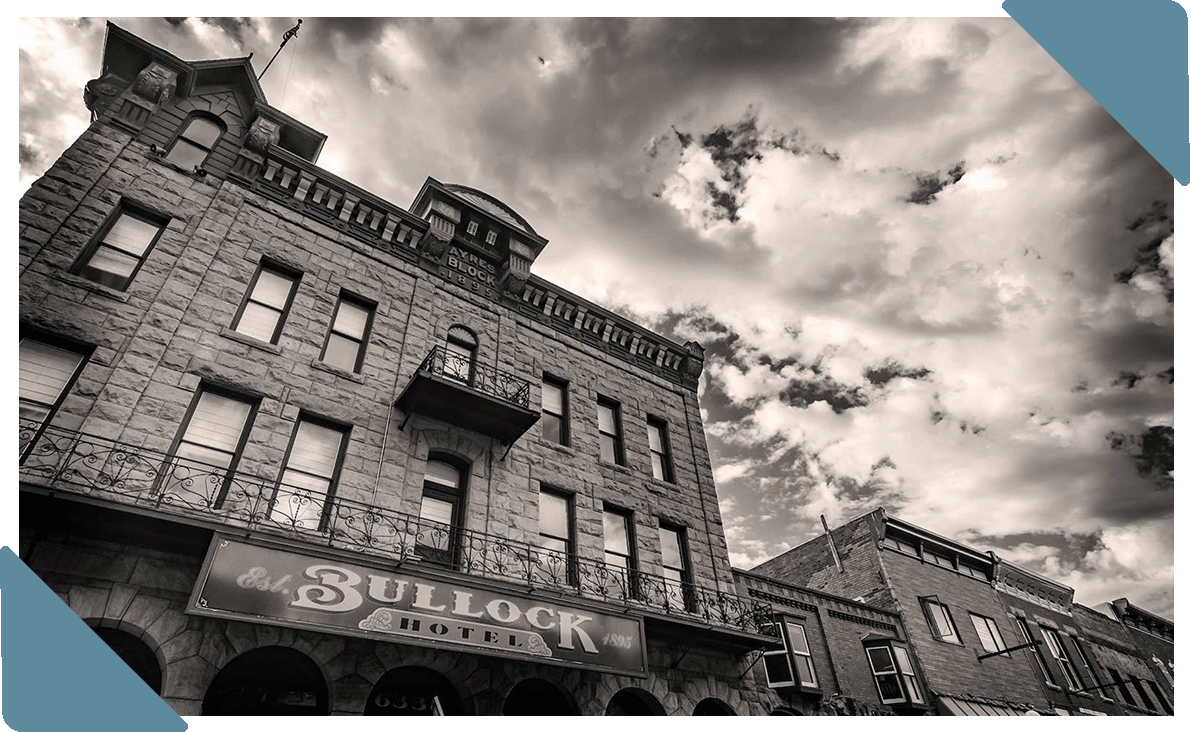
x: 154, y: 86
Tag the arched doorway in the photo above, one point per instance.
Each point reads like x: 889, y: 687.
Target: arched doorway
x: 784, y: 712
x: 634, y: 703
x: 414, y: 691
x: 272, y: 681
x: 134, y: 652
x: 538, y: 698
x: 711, y: 707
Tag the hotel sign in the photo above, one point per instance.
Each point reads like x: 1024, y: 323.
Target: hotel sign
x: 261, y: 584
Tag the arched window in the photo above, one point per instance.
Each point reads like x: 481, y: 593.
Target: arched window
x: 538, y: 698
x: 460, y: 353
x: 194, y: 143
x: 274, y: 681
x: 634, y: 703
x: 134, y: 652
x: 711, y: 707
x: 441, y: 509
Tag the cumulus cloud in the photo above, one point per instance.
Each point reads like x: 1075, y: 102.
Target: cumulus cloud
x: 930, y: 271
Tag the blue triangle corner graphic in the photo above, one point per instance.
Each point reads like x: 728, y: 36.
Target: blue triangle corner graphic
x: 1130, y: 55
x: 59, y: 675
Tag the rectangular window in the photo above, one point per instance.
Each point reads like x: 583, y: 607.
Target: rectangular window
x: 46, y: 374
x: 940, y: 621
x: 791, y: 664
x: 988, y: 632
x: 659, y: 450
x: 908, y: 677
x: 121, y: 247
x: 348, y: 337
x: 619, y: 551
x: 309, y: 474
x: 1119, y: 683
x: 675, y: 567
x: 901, y: 545
x: 1027, y: 635
x: 555, y: 425
x: 936, y: 558
x: 1058, y: 651
x: 895, y: 678
x: 1085, y: 660
x: 554, y: 523
x: 270, y: 294
x: 972, y: 571
x: 436, y: 538
x: 472, y: 228
x: 490, y: 238
x: 208, y: 447
x: 1159, y: 694
x: 611, y: 446
x: 1144, y: 695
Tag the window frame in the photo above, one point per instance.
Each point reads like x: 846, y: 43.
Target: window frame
x: 1085, y: 659
x: 686, y: 583
x: 937, y: 559
x: 84, y: 351
x: 903, y: 671
x: 454, y: 337
x: 121, y: 209
x: 1146, y: 702
x: 993, y: 630
x: 277, y: 268
x: 564, y: 417
x: 903, y: 546
x: 630, y: 559
x: 570, y: 539
x: 1122, y: 684
x: 1046, y: 675
x: 332, y: 481
x: 227, y: 392
x: 457, y: 500
x: 180, y: 134
x: 362, y: 344
x: 666, y: 455
x: 618, y: 437
x: 1053, y: 641
x: 932, y: 623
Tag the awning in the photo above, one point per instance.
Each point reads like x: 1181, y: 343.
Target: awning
x: 956, y: 707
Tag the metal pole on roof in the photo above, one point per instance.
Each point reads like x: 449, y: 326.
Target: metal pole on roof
x: 830, y: 540
x: 284, y: 39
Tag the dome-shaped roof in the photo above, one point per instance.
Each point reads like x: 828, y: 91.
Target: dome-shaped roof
x: 491, y: 205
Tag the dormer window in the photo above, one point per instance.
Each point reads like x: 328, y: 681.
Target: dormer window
x: 193, y: 145
x: 491, y: 238
x: 472, y: 228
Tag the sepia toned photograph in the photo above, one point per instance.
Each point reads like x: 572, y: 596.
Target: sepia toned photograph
x: 605, y: 366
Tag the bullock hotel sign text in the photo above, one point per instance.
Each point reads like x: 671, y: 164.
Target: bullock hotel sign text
x: 266, y: 585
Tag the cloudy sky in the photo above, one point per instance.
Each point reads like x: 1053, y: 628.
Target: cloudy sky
x: 931, y: 272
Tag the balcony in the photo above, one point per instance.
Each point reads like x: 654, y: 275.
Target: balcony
x: 100, y: 469
x: 471, y: 395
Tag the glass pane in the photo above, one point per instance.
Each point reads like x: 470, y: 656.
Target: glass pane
x: 997, y: 639
x: 272, y: 288
x: 941, y: 620
x: 655, y: 442
x: 903, y: 660
x: 551, y: 428
x: 776, y: 667
x: 109, y: 267
x: 299, y: 506
x: 553, y: 546
x: 190, y: 454
x: 658, y: 466
x: 202, y: 131
x: 553, y: 515
x: 352, y: 319
x: 341, y: 352
x: 882, y: 660
x: 457, y: 362
x: 615, y: 532
x: 890, y: 688
x: 805, y: 670
x: 217, y: 422
x: 186, y: 154
x: 44, y: 371
x: 607, y: 419
x: 258, y: 322
x: 607, y: 448
x: 131, y: 235
x: 985, y: 636
x: 797, y: 638
x: 671, y: 549
x: 315, y: 449
x: 442, y: 474
x: 435, y: 509
x: 615, y: 560
x: 913, y: 689
x: 551, y: 398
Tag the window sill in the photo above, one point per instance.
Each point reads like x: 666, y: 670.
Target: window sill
x: 618, y: 468
x: 249, y: 341
x: 949, y: 642
x: 321, y: 365
x: 160, y: 159
x: 564, y: 449
x: 86, y: 284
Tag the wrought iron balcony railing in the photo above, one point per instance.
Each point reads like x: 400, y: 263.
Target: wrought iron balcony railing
x: 484, y: 379
x: 103, y: 468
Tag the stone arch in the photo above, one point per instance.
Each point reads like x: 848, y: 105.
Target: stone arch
x: 269, y: 680
x: 712, y: 707
x: 215, y: 104
x: 784, y: 712
x: 463, y: 672
x: 455, y: 444
x: 538, y: 697
x: 413, y: 691
x: 634, y: 702
x: 135, y: 648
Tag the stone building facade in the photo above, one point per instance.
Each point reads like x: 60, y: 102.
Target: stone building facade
x: 990, y: 637
x: 234, y: 363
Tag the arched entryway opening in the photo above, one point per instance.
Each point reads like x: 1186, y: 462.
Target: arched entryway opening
x: 538, y: 698
x: 634, y: 703
x: 784, y: 712
x: 414, y: 691
x: 272, y: 681
x: 134, y: 652
x: 711, y: 707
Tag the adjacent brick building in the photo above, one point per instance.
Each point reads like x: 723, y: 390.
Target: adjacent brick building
x: 990, y: 637
x: 291, y: 448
